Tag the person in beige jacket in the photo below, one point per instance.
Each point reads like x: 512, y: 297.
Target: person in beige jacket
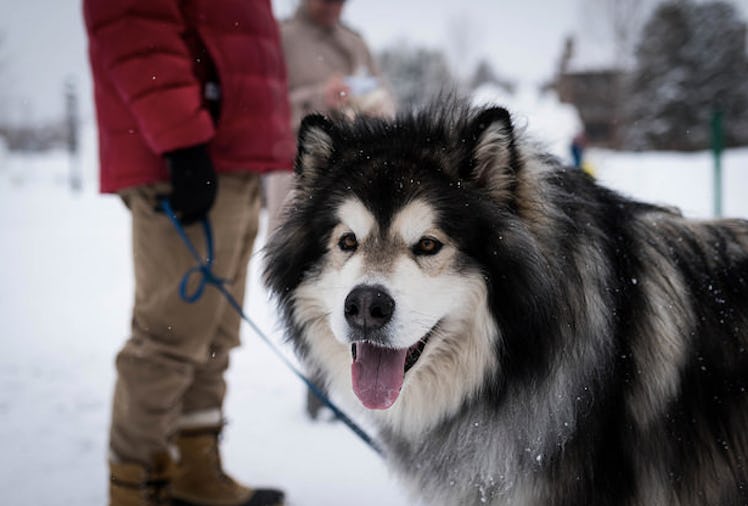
x: 330, y: 69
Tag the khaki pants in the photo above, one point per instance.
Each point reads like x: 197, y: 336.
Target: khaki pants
x: 174, y: 362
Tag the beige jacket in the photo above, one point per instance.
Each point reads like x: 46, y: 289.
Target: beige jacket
x: 313, y: 54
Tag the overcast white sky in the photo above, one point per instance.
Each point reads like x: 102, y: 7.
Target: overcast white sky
x: 43, y: 42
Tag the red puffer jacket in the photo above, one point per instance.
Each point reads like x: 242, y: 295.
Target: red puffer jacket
x: 150, y: 60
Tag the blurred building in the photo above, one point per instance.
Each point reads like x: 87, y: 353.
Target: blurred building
x: 597, y: 95
x: 689, y: 67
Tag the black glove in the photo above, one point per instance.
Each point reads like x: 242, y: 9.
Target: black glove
x: 194, y: 183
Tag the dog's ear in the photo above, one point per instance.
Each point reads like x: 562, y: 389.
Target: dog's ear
x: 317, y: 136
x: 492, y: 159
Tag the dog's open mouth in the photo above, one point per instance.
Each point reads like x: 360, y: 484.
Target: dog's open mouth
x: 378, y: 372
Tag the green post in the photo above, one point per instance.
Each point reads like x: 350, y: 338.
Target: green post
x: 718, y: 141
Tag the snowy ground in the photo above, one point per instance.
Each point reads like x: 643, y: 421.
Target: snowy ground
x: 65, y: 299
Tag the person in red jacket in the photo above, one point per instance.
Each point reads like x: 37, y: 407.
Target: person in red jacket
x: 191, y: 100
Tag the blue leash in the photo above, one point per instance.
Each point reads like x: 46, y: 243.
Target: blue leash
x: 207, y: 277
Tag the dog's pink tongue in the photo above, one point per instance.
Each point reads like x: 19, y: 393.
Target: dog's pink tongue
x: 378, y: 375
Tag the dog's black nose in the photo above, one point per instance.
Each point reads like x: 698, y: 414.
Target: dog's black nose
x: 369, y: 307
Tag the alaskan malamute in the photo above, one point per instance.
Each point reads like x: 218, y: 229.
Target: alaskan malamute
x: 518, y: 334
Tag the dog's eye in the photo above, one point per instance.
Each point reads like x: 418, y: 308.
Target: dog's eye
x: 427, y: 246
x: 348, y: 242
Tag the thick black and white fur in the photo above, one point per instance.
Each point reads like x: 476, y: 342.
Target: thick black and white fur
x: 576, y: 347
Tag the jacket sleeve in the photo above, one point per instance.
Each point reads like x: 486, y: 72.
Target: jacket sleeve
x: 140, y: 46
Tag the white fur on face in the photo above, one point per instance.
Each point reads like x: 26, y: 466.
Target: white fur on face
x: 414, y: 221
x: 345, y: 270
x: 427, y: 290
x: 462, y: 347
x: 421, y: 286
x: 356, y: 218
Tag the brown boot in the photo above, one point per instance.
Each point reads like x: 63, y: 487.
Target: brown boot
x: 132, y: 484
x: 199, y: 479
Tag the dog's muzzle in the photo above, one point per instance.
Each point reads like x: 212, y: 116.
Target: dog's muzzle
x: 378, y: 369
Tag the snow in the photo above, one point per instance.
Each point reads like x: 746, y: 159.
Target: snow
x: 541, y: 115
x: 66, y: 295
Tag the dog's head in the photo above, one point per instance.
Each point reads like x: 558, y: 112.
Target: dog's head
x: 394, y: 250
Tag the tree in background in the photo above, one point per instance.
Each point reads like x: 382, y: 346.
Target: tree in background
x: 485, y: 74
x: 690, y: 62
x: 417, y: 75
